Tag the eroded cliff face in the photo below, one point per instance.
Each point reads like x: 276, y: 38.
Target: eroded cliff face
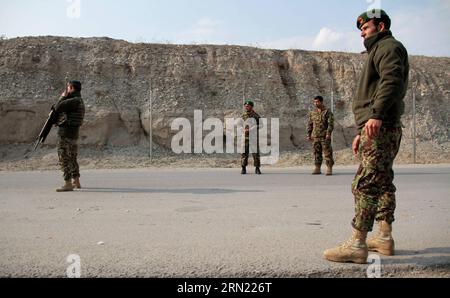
x: 122, y: 82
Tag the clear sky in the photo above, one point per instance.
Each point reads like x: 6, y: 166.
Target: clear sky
x: 423, y: 26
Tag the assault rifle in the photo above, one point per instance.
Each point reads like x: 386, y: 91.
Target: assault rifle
x: 51, y: 120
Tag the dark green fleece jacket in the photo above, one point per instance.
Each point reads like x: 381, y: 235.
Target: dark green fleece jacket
x: 383, y: 82
x: 70, y: 112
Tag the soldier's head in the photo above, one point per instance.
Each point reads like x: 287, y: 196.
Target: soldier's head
x: 372, y: 22
x: 318, y: 102
x: 249, y: 105
x: 73, y: 86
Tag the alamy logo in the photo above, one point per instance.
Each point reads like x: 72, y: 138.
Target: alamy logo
x: 240, y: 136
x: 374, y: 269
x: 74, y: 9
x: 374, y: 8
x: 74, y: 269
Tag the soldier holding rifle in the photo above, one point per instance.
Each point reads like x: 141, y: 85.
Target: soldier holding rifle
x: 70, y: 112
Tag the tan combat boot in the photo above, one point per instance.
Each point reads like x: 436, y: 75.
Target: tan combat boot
x: 66, y: 187
x: 76, y: 183
x: 382, y: 242
x: 317, y: 170
x: 354, y: 250
x: 329, y: 171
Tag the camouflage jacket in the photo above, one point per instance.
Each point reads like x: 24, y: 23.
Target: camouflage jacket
x: 320, y: 124
x: 254, y: 115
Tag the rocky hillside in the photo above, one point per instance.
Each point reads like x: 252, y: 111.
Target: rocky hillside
x: 123, y: 81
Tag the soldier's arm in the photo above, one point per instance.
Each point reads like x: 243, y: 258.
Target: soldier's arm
x: 67, y: 105
x: 310, y: 126
x: 259, y: 122
x: 330, y: 123
x: 58, y: 102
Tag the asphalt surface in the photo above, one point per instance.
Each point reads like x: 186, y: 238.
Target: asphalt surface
x: 213, y: 223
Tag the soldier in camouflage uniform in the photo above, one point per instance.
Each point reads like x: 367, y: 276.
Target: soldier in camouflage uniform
x: 378, y: 107
x: 320, y: 128
x: 70, y: 110
x: 250, y: 113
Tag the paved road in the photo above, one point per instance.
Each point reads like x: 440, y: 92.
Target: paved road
x: 212, y: 223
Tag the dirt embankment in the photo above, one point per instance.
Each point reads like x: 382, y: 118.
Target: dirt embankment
x: 134, y: 91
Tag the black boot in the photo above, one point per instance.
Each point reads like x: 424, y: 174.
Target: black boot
x: 257, y: 171
x: 243, y: 171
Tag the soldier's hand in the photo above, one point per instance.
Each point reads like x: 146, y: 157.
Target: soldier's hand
x: 372, y: 128
x: 309, y: 139
x: 65, y: 92
x: 328, y: 137
x: 355, y: 145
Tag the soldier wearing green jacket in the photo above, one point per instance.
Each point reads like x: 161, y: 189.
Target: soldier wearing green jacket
x: 320, y: 128
x: 256, y: 125
x: 378, y: 106
x: 70, y: 114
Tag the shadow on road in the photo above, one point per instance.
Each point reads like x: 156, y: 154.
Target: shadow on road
x: 197, y: 191
x: 400, y: 173
x: 441, y: 255
x: 432, y: 250
x: 309, y: 174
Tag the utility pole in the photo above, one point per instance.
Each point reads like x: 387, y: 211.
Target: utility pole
x: 332, y: 94
x: 151, y: 123
x: 330, y: 72
x: 330, y: 69
x: 414, y: 124
x: 243, y: 94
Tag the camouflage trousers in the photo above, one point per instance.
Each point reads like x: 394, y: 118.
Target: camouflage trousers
x: 323, y: 147
x: 67, y: 154
x: 245, y: 156
x: 373, y: 188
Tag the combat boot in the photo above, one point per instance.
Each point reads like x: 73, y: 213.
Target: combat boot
x: 243, y: 171
x: 329, y: 171
x: 382, y: 242
x: 257, y: 171
x: 317, y: 170
x: 66, y: 187
x: 353, y: 250
x: 76, y: 183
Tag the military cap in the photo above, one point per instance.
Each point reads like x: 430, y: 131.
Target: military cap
x: 76, y: 85
x: 374, y: 14
x: 249, y: 102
